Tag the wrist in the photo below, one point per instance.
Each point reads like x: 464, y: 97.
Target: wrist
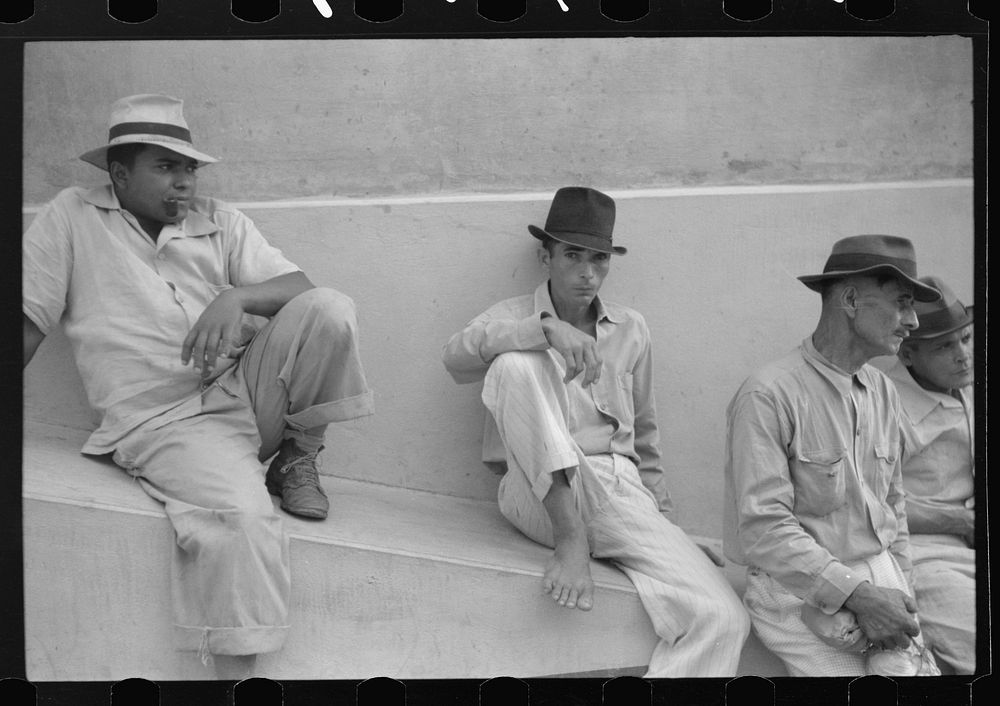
x: 235, y: 296
x: 861, y: 592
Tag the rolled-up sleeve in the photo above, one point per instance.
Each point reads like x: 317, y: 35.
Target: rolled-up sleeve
x: 252, y: 259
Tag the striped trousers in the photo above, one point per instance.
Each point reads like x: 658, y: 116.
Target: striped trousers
x: 699, y: 619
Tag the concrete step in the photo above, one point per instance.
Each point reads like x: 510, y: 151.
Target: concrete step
x: 396, y: 583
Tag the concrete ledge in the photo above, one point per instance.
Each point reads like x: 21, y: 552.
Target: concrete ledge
x: 396, y: 583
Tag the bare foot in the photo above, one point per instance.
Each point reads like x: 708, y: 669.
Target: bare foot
x: 234, y: 667
x: 567, y: 573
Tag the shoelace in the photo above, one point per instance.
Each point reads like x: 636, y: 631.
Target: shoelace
x: 309, y: 459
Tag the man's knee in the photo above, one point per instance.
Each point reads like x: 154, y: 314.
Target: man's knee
x: 519, y: 366
x: 228, y: 532
x: 328, y: 309
x: 729, y: 620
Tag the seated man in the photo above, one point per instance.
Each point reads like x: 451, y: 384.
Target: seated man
x: 146, y: 277
x: 933, y: 374
x: 569, y: 384
x: 815, y: 503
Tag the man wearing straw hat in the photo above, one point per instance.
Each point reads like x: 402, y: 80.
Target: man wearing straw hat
x: 933, y: 374
x: 569, y: 386
x: 815, y: 503
x: 160, y: 292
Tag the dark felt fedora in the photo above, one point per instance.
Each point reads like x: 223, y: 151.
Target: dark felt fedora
x: 581, y: 216
x: 150, y: 119
x: 945, y: 315
x: 871, y: 254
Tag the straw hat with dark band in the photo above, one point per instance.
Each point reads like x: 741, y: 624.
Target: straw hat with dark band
x: 148, y: 119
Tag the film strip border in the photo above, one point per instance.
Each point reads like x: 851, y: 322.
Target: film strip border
x: 507, y: 691
x: 32, y: 19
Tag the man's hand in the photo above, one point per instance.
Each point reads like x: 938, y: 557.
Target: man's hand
x: 884, y: 614
x: 577, y: 348
x: 214, y: 333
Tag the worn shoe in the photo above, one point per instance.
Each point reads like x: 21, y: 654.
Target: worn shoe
x: 294, y: 478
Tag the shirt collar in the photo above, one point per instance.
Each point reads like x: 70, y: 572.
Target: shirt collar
x: 193, y: 225
x: 543, y: 302
x: 917, y: 401
x: 838, y: 377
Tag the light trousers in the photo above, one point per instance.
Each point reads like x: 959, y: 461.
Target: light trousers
x: 777, y: 621
x: 230, y: 578
x: 944, y: 577
x: 699, y: 619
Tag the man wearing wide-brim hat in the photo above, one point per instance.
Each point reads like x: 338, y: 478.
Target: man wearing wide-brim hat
x: 568, y: 382
x: 933, y: 373
x: 814, y: 494
x: 160, y: 291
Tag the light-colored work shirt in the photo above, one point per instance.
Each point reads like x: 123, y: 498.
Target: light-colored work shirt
x: 938, y: 441
x: 615, y: 414
x: 813, y: 475
x: 126, y: 302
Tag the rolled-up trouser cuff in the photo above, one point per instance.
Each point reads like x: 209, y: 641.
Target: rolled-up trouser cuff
x: 336, y: 411
x: 230, y: 641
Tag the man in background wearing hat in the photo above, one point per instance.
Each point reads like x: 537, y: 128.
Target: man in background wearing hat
x: 933, y: 374
x: 146, y: 278
x: 815, y: 504
x: 569, y: 385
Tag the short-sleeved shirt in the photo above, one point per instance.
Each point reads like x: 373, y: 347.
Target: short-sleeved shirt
x: 126, y: 302
x: 615, y: 414
x: 938, y: 442
x: 813, y: 475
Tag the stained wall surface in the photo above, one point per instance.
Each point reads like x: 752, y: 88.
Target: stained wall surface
x: 405, y: 172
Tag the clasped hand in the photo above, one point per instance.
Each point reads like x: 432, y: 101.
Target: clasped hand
x: 578, y: 349
x: 885, y: 615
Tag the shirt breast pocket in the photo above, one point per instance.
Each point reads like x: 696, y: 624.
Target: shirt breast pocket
x: 885, y: 459
x: 818, y: 479
x: 626, y: 400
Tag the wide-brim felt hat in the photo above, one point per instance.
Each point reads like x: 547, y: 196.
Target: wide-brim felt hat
x: 871, y: 254
x: 151, y: 119
x: 581, y: 216
x: 944, y: 316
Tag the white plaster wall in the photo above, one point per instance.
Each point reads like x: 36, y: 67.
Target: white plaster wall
x: 795, y: 136
x: 296, y: 118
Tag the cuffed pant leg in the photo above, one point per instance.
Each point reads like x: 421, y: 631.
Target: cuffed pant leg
x: 945, y: 581
x: 303, y: 370
x: 230, y: 574
x: 699, y: 619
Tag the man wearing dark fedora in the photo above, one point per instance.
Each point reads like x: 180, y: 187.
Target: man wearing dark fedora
x: 205, y: 352
x: 815, y: 502
x: 933, y: 373
x: 568, y: 381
